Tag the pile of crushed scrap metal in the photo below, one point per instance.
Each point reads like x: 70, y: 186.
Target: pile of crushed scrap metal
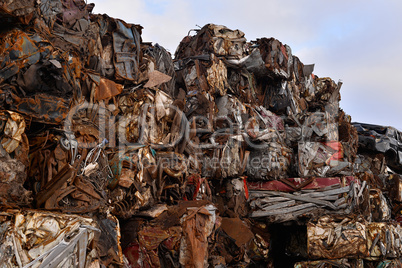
x: 234, y: 154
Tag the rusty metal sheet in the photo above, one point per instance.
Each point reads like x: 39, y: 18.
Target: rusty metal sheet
x: 156, y: 78
x: 105, y: 88
x: 17, y: 50
x: 19, y: 11
x: 197, y: 225
x: 126, y: 44
x: 236, y: 229
x: 41, y: 107
x: 150, y: 239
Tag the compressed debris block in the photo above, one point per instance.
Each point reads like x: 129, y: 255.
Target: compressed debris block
x: 32, y: 238
x: 276, y: 57
x: 384, y: 240
x: 380, y: 209
x: 330, y: 238
x: 290, y: 199
x: 215, y: 39
x: 321, y: 158
x: 268, y: 162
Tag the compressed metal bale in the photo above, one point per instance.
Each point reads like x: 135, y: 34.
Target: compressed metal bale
x: 269, y: 162
x: 330, y: 239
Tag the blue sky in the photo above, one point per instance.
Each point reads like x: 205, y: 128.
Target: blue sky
x: 356, y: 41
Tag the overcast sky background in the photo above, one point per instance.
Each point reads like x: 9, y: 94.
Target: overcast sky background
x: 356, y: 41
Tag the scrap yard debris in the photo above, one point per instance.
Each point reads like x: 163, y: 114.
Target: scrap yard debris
x: 232, y: 154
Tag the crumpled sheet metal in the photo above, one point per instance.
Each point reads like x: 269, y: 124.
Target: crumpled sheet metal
x: 41, y: 107
x: 66, y: 13
x: 126, y: 44
x: 162, y: 61
x: 217, y: 77
x: 238, y: 230
x: 321, y: 158
x: 237, y: 195
x: 38, y: 239
x: 156, y: 78
x: 22, y: 11
x: 331, y: 239
x: 394, y: 186
x: 384, y: 240
x: 205, y: 76
x: 320, y: 126
x: 270, y: 162
x: 230, y: 108
x: 380, y: 210
x: 390, y: 263
x: 326, y: 95
x: 13, y: 131
x: 104, y: 88
x: 66, y: 177
x: 17, y: 50
x: 223, y: 162
x: 41, y: 80
x: 197, y: 225
x: 371, y: 168
x: 13, y: 176
x: 220, y: 40
x: 13, y: 160
x: 154, y: 120
x: 276, y: 57
x: 150, y: 239
x: 108, y: 244
x: 264, y: 126
x: 39, y: 66
x: 133, y: 188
